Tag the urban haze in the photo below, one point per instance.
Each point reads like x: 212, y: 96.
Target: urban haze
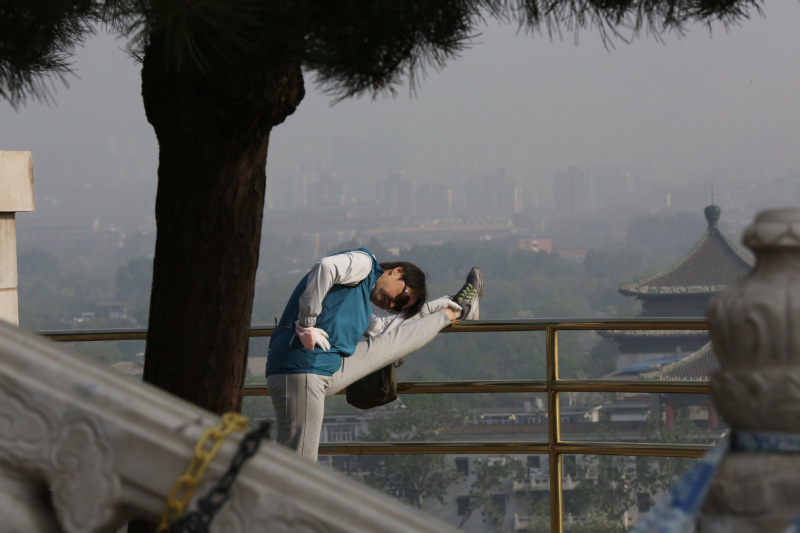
x: 545, y: 135
x: 604, y: 155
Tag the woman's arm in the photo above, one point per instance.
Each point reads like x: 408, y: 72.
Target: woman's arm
x: 347, y: 268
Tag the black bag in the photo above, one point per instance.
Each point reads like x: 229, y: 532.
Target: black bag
x: 373, y: 390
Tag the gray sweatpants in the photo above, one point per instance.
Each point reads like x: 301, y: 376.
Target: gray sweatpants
x: 299, y: 399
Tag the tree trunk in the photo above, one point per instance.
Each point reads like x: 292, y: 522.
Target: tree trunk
x: 213, y: 133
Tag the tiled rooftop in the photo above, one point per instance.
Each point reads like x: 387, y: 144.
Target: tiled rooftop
x: 710, y: 266
x: 695, y: 367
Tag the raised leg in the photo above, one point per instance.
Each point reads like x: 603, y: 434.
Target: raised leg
x: 376, y: 352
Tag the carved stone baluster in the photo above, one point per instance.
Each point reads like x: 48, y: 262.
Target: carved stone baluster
x: 755, y: 328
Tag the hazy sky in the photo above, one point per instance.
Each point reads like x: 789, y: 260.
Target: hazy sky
x: 729, y: 100
x: 518, y: 100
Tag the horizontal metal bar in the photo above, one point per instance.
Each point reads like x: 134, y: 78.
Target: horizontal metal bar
x: 522, y: 324
x: 261, y: 331
x: 81, y: 335
x: 656, y: 323
x: 476, y: 387
x: 541, y: 324
x: 416, y: 448
x: 650, y: 387
x: 540, y: 386
x: 440, y: 387
x: 527, y: 448
x: 255, y: 390
x: 122, y: 334
x: 627, y: 448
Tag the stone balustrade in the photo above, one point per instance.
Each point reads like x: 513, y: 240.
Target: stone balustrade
x: 83, y: 449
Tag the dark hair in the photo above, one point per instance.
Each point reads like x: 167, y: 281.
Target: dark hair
x: 415, y: 280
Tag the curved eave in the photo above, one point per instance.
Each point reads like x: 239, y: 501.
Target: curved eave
x: 695, y: 367
x: 650, y: 285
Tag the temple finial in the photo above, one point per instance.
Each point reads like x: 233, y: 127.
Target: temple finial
x: 712, y: 213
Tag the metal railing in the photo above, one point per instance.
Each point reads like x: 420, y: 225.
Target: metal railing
x: 553, y: 386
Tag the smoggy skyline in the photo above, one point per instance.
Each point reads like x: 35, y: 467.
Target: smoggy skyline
x: 700, y: 108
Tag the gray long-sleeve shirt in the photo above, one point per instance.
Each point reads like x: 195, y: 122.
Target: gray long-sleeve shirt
x: 346, y: 268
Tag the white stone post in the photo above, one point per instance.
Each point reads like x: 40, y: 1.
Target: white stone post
x: 16, y: 194
x: 755, y: 327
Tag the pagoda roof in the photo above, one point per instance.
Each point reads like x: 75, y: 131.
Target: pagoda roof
x: 695, y: 367
x: 710, y: 266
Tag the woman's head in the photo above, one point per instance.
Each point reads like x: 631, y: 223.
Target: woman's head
x: 401, y: 289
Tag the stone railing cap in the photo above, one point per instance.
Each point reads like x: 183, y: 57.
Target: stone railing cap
x: 16, y: 181
x: 774, y: 228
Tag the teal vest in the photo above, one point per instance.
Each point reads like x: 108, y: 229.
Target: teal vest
x: 345, y: 316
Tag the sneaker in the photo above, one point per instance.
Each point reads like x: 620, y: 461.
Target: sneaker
x: 470, y: 294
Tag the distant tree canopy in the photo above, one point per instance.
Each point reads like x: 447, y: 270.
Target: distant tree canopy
x: 53, y: 295
x: 38, y: 262
x: 618, y: 482
x: 134, y: 280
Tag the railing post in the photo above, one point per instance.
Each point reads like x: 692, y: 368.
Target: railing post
x: 755, y: 327
x: 554, y: 432
x: 16, y: 194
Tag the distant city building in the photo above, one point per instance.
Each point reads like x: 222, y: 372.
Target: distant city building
x: 536, y: 245
x: 617, y: 186
x: 326, y: 192
x: 509, y: 198
x: 343, y: 428
x: 395, y: 195
x: 289, y: 191
x: 110, y: 310
x: 433, y: 202
x: 489, y: 197
x: 404, y: 197
x: 574, y: 191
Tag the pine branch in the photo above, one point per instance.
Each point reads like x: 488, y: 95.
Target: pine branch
x: 36, y: 42
x: 354, y: 47
x: 361, y: 47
